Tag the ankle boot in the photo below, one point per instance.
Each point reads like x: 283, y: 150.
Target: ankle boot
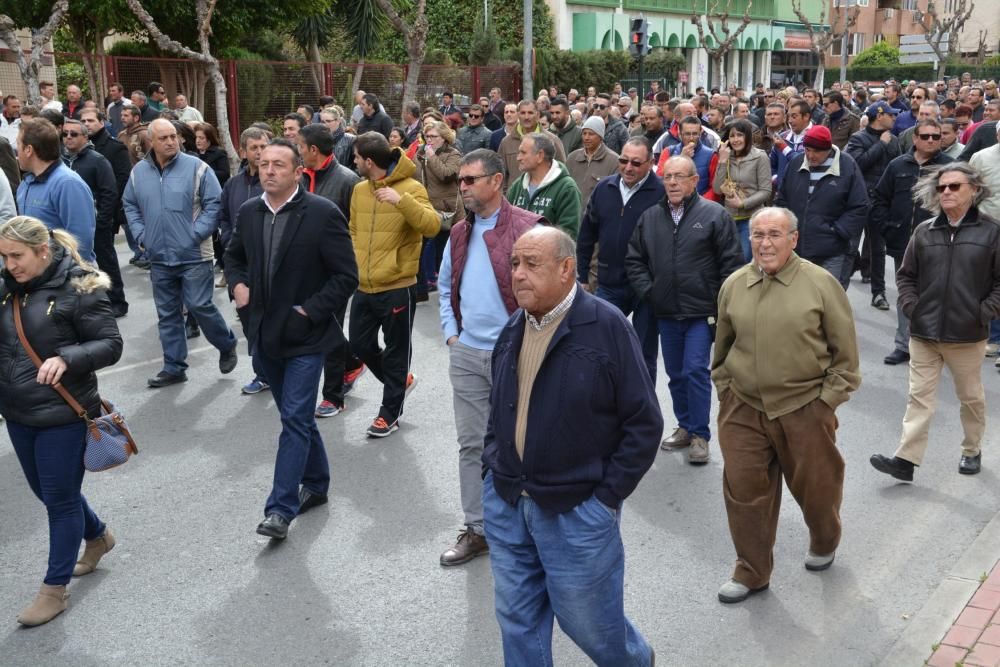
x: 49, y: 603
x: 93, y: 553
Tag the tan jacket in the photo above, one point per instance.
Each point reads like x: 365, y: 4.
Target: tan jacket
x: 752, y: 173
x: 439, y: 174
x: 137, y: 141
x: 508, y: 153
x: 587, y: 173
x: 784, y: 340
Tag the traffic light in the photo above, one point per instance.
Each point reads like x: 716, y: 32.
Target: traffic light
x: 639, y: 40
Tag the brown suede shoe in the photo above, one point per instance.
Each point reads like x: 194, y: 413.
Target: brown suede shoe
x: 93, y: 553
x: 49, y: 603
x: 698, y: 454
x: 468, y: 546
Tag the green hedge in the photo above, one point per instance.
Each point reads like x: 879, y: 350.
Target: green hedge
x: 579, y: 69
x: 920, y: 72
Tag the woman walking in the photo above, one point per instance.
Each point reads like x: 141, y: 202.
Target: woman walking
x: 742, y: 179
x: 66, y: 317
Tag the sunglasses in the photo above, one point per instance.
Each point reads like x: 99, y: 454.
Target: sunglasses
x: 471, y: 180
x: 635, y: 163
x: 475, y: 115
x: 72, y: 134
x: 929, y: 137
x: 954, y: 187
x: 600, y: 106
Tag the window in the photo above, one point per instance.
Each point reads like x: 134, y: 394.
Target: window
x: 855, y: 44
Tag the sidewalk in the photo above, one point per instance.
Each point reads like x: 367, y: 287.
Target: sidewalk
x: 974, y: 639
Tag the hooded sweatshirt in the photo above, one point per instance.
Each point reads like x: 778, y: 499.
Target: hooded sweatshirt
x: 557, y: 199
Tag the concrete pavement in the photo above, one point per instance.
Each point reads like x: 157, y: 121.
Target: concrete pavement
x: 358, y: 581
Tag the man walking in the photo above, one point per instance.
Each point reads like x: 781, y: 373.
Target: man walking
x: 680, y: 253
x: 291, y: 265
x: 326, y: 177
x: 476, y: 300
x: 51, y: 191
x: 949, y: 288
x: 825, y: 190
x: 563, y: 126
x: 546, y: 187
x: 373, y: 118
x: 172, y: 205
x: 80, y: 156
x: 777, y: 413
x: 114, y: 110
x: 593, y: 161
x: 896, y: 215
x: 390, y: 216
x: 574, y: 423
x: 473, y: 135
x: 527, y: 114
x: 135, y: 134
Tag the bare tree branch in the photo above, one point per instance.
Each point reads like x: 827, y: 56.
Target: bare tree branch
x: 31, y: 68
x: 723, y: 44
x: 414, y: 37
x: 940, y: 27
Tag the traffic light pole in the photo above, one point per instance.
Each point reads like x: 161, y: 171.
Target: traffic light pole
x: 642, y: 82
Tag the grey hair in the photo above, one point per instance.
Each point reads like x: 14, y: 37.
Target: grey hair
x: 491, y: 160
x: 565, y: 245
x: 254, y: 133
x: 932, y: 103
x: 925, y: 191
x: 543, y: 144
x: 768, y: 211
x: 74, y: 121
x: 684, y: 159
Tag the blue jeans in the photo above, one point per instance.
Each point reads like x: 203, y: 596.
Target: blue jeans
x: 642, y: 320
x: 743, y: 232
x: 994, y: 332
x: 190, y: 285
x: 568, y: 566
x: 687, y: 346
x: 301, y: 455
x: 52, y: 461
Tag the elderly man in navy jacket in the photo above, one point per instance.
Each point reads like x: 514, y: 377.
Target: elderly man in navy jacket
x: 574, y: 425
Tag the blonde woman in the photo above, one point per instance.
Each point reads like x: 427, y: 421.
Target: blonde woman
x: 437, y: 163
x: 67, y: 319
x: 343, y: 141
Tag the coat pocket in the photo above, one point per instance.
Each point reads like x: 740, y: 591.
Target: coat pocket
x: 297, y: 329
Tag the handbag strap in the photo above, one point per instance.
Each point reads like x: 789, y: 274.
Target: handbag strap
x: 35, y: 359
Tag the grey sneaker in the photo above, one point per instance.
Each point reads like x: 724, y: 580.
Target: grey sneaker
x: 698, y: 454
x: 733, y: 591
x: 817, y: 563
x: 879, y: 301
x: 993, y: 349
x: 679, y: 439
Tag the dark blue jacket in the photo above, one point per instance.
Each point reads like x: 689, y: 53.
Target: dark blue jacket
x: 833, y: 214
x: 238, y: 190
x: 609, y: 224
x: 594, y: 423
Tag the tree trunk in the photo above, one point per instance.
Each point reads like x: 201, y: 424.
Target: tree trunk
x: 820, y: 73
x: 719, y: 58
x: 222, y: 113
x: 527, y: 80
x: 358, y: 71
x: 316, y: 69
x: 412, y: 73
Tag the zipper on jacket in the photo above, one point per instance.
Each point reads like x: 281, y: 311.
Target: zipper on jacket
x: 371, y: 239
x: 947, y: 280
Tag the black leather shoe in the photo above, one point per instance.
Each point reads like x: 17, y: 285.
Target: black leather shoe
x: 971, y: 465
x: 227, y: 360
x: 897, y: 357
x: 191, y: 329
x: 164, y: 379
x: 119, y: 309
x: 899, y: 468
x: 309, y: 500
x: 274, y: 526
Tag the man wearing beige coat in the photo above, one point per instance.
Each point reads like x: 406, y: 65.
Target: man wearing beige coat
x: 592, y: 162
x: 786, y: 356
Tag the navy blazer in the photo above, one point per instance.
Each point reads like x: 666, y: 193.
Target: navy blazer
x: 594, y: 423
x: 314, y: 267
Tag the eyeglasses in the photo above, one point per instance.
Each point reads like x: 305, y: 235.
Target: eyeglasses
x: 773, y: 237
x: 930, y: 137
x: 677, y: 177
x: 635, y: 163
x: 600, y: 106
x: 471, y: 180
x: 72, y: 134
x: 432, y: 136
x: 954, y: 187
x: 475, y: 115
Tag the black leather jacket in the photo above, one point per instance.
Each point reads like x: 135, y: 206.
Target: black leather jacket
x: 894, y: 211
x: 949, y: 282
x: 65, y: 312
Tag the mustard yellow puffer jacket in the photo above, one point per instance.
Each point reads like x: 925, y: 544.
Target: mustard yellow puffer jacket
x: 388, y: 239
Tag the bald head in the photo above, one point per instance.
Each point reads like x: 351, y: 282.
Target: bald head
x: 543, y: 265
x: 163, y: 140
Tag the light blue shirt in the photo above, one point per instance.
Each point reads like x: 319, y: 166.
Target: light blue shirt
x: 483, y: 311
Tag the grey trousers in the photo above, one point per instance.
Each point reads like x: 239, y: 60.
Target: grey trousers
x: 471, y: 381
x: 902, y: 340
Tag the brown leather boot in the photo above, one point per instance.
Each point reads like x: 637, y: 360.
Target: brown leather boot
x: 93, y: 553
x: 468, y: 546
x: 49, y: 603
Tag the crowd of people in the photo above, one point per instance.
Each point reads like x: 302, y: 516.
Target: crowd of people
x: 726, y: 224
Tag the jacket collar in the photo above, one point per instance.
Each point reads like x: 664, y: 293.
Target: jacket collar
x: 834, y: 169
x: 971, y: 218
x: 553, y: 174
x: 44, y: 176
x: 583, y: 311
x: 785, y: 276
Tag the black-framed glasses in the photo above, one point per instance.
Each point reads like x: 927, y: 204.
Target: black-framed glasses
x: 471, y: 180
x: 72, y: 134
x: 600, y: 106
x: 635, y: 163
x: 954, y: 187
x: 930, y: 137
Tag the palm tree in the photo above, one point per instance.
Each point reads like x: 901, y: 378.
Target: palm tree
x: 364, y: 23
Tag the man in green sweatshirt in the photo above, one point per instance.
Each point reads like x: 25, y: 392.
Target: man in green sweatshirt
x: 545, y: 186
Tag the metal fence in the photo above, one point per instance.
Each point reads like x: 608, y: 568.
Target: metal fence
x: 267, y: 90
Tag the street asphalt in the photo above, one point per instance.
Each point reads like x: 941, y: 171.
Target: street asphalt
x: 358, y: 582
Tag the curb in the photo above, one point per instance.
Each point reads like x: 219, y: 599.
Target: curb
x: 938, y: 614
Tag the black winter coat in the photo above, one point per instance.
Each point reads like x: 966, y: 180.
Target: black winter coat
x: 378, y: 122
x: 833, y: 214
x: 65, y: 312
x: 343, y: 149
x: 894, y: 210
x: 984, y: 137
x: 313, y: 267
x: 116, y: 153
x: 334, y: 183
x: 238, y: 190
x: 679, y: 269
x: 96, y: 172
x: 216, y: 158
x: 949, y: 282
x: 871, y: 154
